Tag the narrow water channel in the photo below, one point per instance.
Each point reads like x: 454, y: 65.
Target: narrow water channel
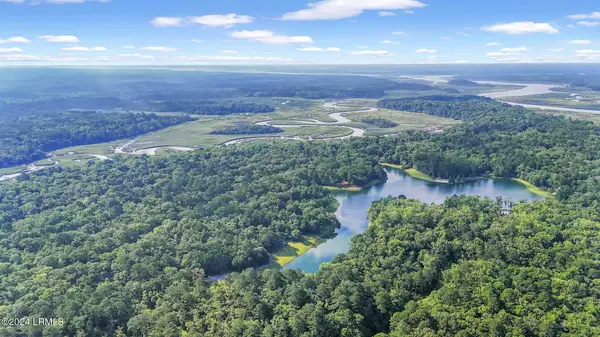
x: 353, y: 206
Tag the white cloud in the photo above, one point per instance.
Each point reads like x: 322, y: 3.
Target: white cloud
x: 408, y: 11
x: 492, y: 44
x: 267, y: 36
x: 514, y: 50
x: 213, y: 20
x: 127, y: 58
x: 580, y: 42
x: 446, y: 38
x: 519, y: 28
x: 218, y: 20
x: 60, y: 38
x: 316, y: 49
x: 594, y: 15
x: 14, y: 39
x: 588, y: 52
x: 426, y: 51
x: 362, y: 47
x: 148, y: 57
x: 128, y: 47
x: 10, y: 50
x: 164, y: 21
x: 79, y: 48
x: 229, y: 51
x: 158, y: 48
x: 235, y: 58
x: 341, y: 9
x: 195, y: 41
x: 389, y: 42
x: 372, y: 52
x: 508, y: 52
x: 399, y: 33
x: 387, y: 13
x: 589, y: 23
x: 464, y: 34
x: 556, y: 50
x: 13, y: 1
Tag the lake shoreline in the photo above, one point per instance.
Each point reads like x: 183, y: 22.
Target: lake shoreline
x: 354, y: 206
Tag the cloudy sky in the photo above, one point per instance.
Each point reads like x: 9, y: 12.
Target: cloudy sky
x: 297, y: 31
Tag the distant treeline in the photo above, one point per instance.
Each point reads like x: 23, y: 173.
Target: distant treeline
x: 424, y: 87
x: 247, y: 130
x: 27, y: 138
x: 39, y: 91
x: 57, y: 104
x: 380, y: 122
x: 589, y: 80
x: 466, y: 83
x: 212, y: 107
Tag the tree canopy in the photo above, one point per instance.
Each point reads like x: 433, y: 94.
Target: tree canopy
x: 124, y: 246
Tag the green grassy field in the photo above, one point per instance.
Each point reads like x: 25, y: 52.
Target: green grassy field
x: 406, y: 121
x: 589, y: 100
x: 11, y: 170
x: 197, y: 133
x: 533, y: 189
x: 294, y: 249
x: 340, y: 188
x: 587, y: 116
x: 392, y: 166
x: 418, y: 174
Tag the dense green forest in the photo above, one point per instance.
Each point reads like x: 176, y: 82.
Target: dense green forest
x: 251, y: 129
x: 458, y: 269
x: 27, y: 138
x: 551, y: 152
x: 380, y: 122
x: 123, y: 246
x: 212, y: 107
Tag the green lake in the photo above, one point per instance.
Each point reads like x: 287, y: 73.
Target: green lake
x: 353, y: 206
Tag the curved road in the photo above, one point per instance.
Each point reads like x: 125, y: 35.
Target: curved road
x: 337, y: 116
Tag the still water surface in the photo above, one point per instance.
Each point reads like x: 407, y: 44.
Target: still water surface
x: 352, y: 211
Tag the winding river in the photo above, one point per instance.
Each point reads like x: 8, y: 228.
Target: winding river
x: 337, y: 116
x: 353, y: 206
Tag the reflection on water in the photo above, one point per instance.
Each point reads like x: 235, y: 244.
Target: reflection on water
x: 352, y: 212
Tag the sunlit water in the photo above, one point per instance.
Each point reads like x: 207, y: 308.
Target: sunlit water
x: 352, y: 211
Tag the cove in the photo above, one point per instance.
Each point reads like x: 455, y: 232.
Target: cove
x: 353, y: 206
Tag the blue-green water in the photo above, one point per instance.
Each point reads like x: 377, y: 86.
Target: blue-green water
x: 352, y: 211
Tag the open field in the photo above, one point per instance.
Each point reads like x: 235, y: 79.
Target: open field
x: 406, y: 121
x: 343, y: 188
x: 12, y: 170
x: 196, y: 134
x: 400, y: 167
x: 570, y: 99
x: 533, y: 189
x: 587, y: 116
x: 294, y: 249
x: 418, y: 174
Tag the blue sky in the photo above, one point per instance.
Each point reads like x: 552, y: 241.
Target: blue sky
x: 296, y: 32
